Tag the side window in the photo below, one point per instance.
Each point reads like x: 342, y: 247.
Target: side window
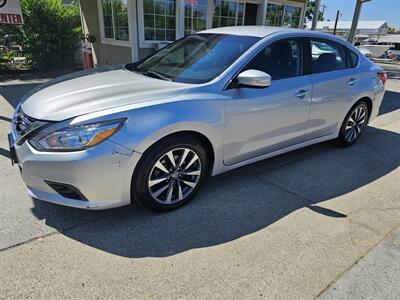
x: 281, y: 60
x: 352, y: 59
x: 327, y: 56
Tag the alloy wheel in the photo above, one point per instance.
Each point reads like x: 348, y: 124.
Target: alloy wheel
x: 355, y: 123
x: 174, y: 176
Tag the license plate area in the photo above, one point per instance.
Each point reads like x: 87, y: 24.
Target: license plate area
x: 13, y: 153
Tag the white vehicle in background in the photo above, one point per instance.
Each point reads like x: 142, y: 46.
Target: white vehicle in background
x: 376, y: 50
x: 393, y: 53
x: 318, y: 48
x: 365, y: 52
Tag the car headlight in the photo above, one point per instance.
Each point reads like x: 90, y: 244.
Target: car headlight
x: 75, y: 137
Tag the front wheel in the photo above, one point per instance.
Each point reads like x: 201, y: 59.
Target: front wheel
x: 354, y: 124
x: 170, y: 173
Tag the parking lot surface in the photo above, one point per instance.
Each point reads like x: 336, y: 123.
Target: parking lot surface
x: 290, y: 227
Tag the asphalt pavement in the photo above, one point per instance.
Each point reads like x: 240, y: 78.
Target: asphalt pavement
x: 311, y: 223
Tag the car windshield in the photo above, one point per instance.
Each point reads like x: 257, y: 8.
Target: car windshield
x: 197, y: 58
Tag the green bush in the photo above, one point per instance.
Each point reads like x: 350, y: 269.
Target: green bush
x: 5, y: 60
x: 51, y: 33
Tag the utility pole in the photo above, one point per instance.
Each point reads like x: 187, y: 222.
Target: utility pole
x: 337, y: 18
x: 356, y: 17
x: 315, y: 14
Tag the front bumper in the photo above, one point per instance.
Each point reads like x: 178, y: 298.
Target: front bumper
x: 102, y: 174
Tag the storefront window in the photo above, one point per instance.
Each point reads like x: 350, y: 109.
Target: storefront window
x: 195, y: 15
x: 159, y: 20
x: 283, y: 15
x: 115, y: 18
x: 274, y: 14
x: 227, y: 13
x: 292, y: 16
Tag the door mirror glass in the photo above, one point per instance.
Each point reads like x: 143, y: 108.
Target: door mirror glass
x: 254, y: 78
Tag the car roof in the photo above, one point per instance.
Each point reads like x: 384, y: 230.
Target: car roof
x: 264, y: 31
x: 256, y: 31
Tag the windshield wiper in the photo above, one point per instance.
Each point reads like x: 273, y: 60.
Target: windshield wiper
x: 155, y: 74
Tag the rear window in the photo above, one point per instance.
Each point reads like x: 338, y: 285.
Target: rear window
x: 352, y: 59
x: 327, y: 56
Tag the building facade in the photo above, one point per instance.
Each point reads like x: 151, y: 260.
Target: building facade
x: 128, y: 30
x: 366, y: 30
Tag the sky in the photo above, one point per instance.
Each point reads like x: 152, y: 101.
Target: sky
x: 388, y: 10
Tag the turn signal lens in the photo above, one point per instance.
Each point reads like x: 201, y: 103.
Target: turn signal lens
x: 101, y: 136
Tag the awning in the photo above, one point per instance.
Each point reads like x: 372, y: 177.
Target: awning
x: 390, y: 38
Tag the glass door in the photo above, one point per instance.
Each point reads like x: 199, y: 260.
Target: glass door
x: 283, y: 15
x: 250, y: 15
x: 195, y: 15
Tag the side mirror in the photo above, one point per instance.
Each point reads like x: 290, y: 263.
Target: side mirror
x: 254, y: 78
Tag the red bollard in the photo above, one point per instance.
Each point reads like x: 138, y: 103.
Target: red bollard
x: 89, y: 57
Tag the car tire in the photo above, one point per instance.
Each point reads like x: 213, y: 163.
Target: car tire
x: 353, y: 125
x: 149, y: 178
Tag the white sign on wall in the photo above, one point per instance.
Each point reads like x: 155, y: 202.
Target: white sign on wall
x: 10, y: 12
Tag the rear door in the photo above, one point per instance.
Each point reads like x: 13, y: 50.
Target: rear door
x: 335, y: 85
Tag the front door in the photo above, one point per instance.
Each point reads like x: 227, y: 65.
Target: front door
x: 259, y: 121
x: 250, y: 16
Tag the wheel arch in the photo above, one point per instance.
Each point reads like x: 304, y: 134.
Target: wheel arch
x: 201, y: 137
x: 364, y: 98
x: 367, y: 100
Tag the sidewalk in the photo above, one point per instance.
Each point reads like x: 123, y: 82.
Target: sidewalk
x: 376, y: 276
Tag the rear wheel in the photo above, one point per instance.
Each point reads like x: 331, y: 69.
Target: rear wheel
x: 170, y: 173
x: 354, y: 124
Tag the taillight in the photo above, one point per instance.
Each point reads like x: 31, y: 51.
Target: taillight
x: 382, y: 76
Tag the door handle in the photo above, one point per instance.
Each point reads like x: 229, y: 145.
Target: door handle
x: 352, y: 81
x: 302, y: 93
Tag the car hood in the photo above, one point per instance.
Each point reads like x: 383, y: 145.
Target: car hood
x: 94, y: 90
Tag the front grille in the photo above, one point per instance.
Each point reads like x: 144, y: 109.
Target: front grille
x: 66, y: 190
x: 23, y: 125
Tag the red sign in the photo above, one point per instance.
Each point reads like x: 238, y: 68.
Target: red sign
x: 191, y: 3
x: 10, y: 19
x: 10, y: 12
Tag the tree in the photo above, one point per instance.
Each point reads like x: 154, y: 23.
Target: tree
x: 50, y: 36
x: 9, y: 36
x: 310, y: 12
x: 393, y: 30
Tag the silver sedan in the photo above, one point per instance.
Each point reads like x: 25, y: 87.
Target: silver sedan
x: 152, y: 131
